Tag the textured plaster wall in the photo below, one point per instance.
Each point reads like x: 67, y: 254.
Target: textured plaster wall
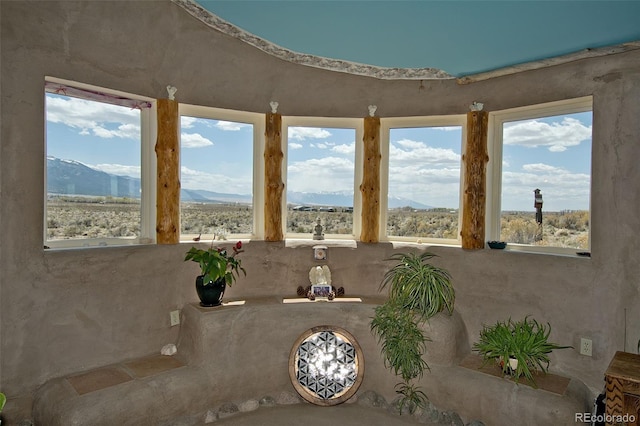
x: 66, y: 311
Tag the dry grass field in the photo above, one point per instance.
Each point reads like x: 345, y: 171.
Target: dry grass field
x: 99, y: 217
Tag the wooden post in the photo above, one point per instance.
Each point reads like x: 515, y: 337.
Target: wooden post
x: 370, y: 186
x: 475, y: 180
x: 273, y: 185
x: 168, y: 156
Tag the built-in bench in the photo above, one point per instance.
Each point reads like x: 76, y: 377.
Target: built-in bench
x: 231, y: 353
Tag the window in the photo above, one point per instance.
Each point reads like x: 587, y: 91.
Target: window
x: 423, y: 179
x: 321, y: 176
x: 541, y: 186
x: 100, y: 173
x: 221, y: 165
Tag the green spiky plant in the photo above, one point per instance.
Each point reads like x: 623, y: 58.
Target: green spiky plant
x: 3, y: 400
x: 417, y: 291
x: 526, y: 340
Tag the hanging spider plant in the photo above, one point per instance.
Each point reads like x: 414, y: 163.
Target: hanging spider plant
x: 417, y: 291
x: 418, y: 285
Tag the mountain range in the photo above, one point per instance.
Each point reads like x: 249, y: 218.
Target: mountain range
x: 74, y: 178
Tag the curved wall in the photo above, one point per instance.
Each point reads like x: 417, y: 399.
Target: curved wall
x: 66, y: 311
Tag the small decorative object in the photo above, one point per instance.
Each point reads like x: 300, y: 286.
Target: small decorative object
x: 317, y: 233
x: 320, y: 252
x: 169, y: 349
x: 476, y: 106
x: 274, y: 107
x: 497, y: 245
x: 308, y: 292
x: 320, y: 277
x: 326, y: 365
x: 524, y: 344
x: 372, y: 110
x: 219, y: 269
x: 172, y: 92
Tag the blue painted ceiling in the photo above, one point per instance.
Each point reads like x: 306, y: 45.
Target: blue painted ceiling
x: 459, y: 37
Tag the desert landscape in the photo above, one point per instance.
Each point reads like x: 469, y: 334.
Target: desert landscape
x: 108, y: 217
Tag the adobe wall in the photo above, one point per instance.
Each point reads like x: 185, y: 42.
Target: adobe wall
x: 66, y: 311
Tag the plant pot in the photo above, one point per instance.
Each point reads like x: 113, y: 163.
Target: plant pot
x: 513, y: 364
x: 210, y: 294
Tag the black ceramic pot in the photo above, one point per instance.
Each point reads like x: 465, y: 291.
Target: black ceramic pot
x: 210, y: 294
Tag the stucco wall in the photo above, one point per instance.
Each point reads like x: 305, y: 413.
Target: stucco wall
x: 65, y: 311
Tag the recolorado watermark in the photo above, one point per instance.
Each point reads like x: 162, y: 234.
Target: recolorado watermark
x: 605, y: 418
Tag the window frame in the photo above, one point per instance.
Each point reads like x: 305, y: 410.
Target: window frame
x: 148, y: 167
x: 386, y: 124
x: 356, y: 124
x: 257, y: 120
x: 497, y: 119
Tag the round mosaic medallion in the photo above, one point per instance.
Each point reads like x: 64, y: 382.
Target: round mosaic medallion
x: 326, y: 365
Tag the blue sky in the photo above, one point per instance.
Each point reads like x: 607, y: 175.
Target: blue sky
x: 553, y: 155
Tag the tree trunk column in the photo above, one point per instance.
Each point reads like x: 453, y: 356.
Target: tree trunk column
x: 273, y: 185
x: 475, y: 181
x: 168, y: 178
x: 370, y: 186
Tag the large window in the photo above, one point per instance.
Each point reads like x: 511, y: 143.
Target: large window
x: 97, y: 163
x: 542, y: 183
x: 423, y: 178
x: 218, y: 171
x: 321, y: 175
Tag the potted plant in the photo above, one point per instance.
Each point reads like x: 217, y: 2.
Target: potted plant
x: 521, y: 348
x: 3, y: 400
x: 417, y: 291
x: 218, y: 269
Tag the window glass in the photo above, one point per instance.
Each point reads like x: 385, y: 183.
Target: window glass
x: 548, y: 157
x: 216, y: 198
x: 93, y: 168
x: 424, y: 182
x: 320, y: 179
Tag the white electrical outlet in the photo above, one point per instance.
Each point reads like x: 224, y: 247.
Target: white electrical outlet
x: 586, y: 347
x: 175, y: 317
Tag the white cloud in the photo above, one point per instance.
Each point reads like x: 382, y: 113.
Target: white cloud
x: 330, y: 174
x: 345, y: 149
x: 195, y: 179
x: 293, y: 145
x: 230, y: 125
x: 125, y: 131
x: 188, y: 122
x: 424, y: 174
x: 322, y: 145
x: 555, y: 136
x: 118, y: 169
x: 90, y: 117
x: 194, y: 140
x: 561, y: 189
x: 406, y: 152
x: 542, y: 168
x: 303, y: 133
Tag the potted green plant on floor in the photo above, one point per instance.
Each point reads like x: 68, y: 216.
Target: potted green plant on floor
x: 521, y: 348
x: 218, y: 268
x: 417, y: 291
